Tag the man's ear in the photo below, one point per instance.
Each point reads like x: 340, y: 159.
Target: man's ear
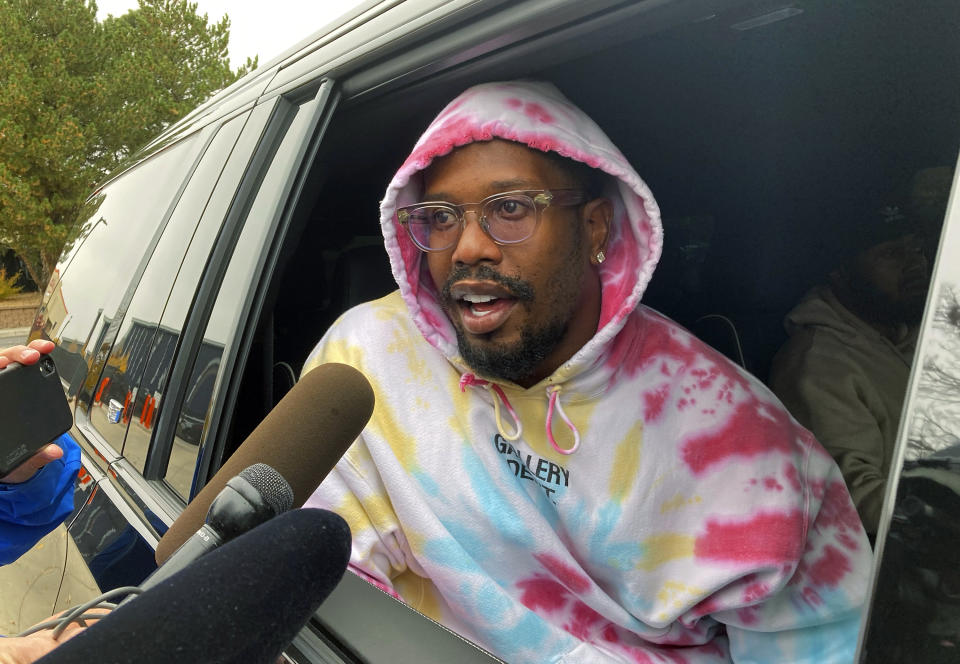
x: 598, y: 217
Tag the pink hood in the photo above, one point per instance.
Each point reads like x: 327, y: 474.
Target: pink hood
x: 539, y: 116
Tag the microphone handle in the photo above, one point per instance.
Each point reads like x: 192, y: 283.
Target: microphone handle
x: 201, y: 542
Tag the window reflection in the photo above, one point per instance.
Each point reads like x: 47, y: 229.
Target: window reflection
x: 87, y: 292
x: 935, y: 423
x: 130, y: 390
x: 225, y: 325
x: 844, y: 372
x: 193, y: 415
x: 916, y: 609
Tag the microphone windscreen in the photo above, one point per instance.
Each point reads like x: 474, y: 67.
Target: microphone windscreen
x: 242, y: 603
x: 302, y: 438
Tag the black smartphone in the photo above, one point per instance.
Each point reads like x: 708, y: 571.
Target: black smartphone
x: 33, y: 411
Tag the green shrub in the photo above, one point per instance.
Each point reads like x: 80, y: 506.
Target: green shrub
x: 8, y: 286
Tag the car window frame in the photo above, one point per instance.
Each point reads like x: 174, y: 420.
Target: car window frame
x: 948, y: 248
x: 322, y: 94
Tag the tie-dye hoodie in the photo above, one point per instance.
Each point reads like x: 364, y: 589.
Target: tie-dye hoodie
x: 695, y: 522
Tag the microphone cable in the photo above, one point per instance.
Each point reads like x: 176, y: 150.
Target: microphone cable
x: 78, y: 613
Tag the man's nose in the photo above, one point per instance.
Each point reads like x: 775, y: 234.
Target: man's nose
x: 474, y: 245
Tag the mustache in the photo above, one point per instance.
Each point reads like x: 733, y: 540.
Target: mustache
x: 518, y: 288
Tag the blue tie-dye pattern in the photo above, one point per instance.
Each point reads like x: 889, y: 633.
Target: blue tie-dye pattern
x: 825, y: 597
x: 487, y: 604
x: 528, y: 632
x: 501, y: 513
x: 619, y: 555
x: 498, y: 508
x: 427, y: 483
x: 450, y: 553
x: 622, y: 556
x: 833, y: 643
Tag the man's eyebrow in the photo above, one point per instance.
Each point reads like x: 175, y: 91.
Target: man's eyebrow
x: 518, y: 183
x: 495, y: 187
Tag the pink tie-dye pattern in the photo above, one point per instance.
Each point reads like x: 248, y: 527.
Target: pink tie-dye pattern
x: 567, y: 575
x: 549, y: 597
x: 737, y: 541
x: 744, y: 435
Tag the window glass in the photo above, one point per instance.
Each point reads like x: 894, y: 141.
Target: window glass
x: 914, y: 615
x: 131, y: 383
x: 225, y: 324
x: 178, y: 470
x: 104, y: 255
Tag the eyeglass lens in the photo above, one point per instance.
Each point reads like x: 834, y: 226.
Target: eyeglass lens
x: 509, y: 219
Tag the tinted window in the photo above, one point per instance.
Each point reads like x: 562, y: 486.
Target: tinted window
x: 133, y: 379
x: 105, y: 255
x: 224, y: 330
x: 915, y: 615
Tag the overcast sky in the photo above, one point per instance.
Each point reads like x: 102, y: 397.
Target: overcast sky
x: 257, y: 27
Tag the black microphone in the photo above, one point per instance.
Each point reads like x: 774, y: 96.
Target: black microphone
x: 242, y: 603
x: 303, y: 437
x: 257, y: 494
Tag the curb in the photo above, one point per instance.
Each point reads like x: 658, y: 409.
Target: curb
x: 15, y: 332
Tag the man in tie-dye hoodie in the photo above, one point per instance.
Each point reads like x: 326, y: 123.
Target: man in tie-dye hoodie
x: 553, y: 470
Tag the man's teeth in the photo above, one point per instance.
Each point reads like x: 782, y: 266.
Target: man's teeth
x: 477, y: 299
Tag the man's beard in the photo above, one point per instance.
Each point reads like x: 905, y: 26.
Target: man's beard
x: 516, y: 361
x: 882, y: 308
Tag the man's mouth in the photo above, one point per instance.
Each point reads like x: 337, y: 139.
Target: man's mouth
x: 483, y: 307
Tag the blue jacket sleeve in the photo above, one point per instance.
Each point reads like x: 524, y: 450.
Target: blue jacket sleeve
x: 31, y: 509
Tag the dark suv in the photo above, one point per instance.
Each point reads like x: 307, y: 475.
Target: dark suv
x: 203, y: 273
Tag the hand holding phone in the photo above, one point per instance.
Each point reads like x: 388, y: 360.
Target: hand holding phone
x: 29, y: 354
x: 29, y: 468
x: 33, y: 408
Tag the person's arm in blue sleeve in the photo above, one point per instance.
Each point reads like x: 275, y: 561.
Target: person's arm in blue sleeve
x: 37, y: 495
x: 31, y: 509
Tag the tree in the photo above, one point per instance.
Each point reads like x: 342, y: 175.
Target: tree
x: 78, y: 97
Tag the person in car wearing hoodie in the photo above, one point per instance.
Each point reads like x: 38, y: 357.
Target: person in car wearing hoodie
x: 843, y: 373
x: 36, y: 496
x: 554, y: 470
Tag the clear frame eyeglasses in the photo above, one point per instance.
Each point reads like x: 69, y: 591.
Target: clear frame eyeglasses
x: 507, y: 218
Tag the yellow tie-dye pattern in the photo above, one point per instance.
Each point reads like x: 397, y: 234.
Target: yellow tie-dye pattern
x: 416, y: 542
x: 657, y: 481
x: 358, y: 456
x: 380, y: 511
x: 677, y: 502
x: 390, y: 306
x: 626, y: 463
x: 676, y: 596
x: 353, y: 513
x: 420, y: 594
x: 383, y: 423
x: 417, y: 370
x: 661, y: 549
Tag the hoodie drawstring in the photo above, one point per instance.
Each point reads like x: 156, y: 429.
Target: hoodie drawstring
x: 553, y: 403
x: 470, y: 379
x: 553, y: 393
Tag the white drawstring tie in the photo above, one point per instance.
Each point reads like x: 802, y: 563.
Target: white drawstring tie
x: 470, y: 379
x: 553, y: 403
x: 553, y: 395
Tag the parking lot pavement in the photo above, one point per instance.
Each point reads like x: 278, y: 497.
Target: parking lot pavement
x: 49, y: 578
